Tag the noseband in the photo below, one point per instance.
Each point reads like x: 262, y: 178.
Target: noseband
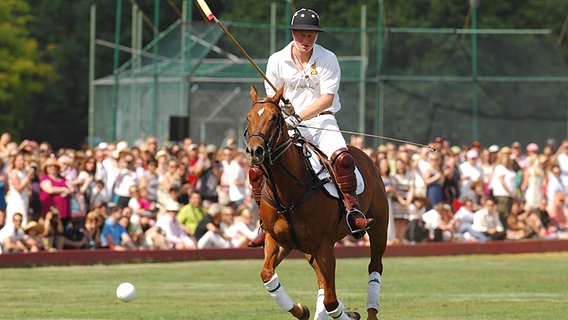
x: 273, y: 151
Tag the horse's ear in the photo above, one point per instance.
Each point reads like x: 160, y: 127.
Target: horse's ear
x: 253, y: 94
x: 278, y: 94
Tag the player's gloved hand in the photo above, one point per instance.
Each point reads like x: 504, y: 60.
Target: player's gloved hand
x: 288, y: 108
x: 293, y: 121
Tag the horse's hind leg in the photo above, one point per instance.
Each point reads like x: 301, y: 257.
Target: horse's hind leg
x: 378, y: 240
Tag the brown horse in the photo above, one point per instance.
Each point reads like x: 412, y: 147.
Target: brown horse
x: 298, y: 214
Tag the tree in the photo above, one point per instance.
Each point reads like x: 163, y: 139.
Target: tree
x: 21, y: 72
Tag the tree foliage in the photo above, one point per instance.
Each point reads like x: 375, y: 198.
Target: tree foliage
x: 21, y: 71
x: 44, y: 44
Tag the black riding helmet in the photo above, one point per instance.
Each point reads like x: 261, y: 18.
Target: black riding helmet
x: 305, y: 19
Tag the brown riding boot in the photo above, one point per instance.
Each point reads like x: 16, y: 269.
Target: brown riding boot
x: 344, y: 166
x: 256, y: 179
x: 259, y: 240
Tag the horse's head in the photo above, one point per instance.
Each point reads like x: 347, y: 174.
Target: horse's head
x: 265, y: 127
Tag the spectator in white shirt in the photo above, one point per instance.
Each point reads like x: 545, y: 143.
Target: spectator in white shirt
x: 487, y: 222
x: 470, y: 172
x: 173, y: 229
x: 242, y: 230
x: 504, y: 184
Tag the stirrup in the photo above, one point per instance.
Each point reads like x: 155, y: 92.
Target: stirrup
x: 358, y: 231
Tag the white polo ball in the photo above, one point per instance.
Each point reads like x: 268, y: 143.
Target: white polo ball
x: 126, y: 292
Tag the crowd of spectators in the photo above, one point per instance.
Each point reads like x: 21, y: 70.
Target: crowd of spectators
x: 121, y: 197
x: 191, y: 196
x: 475, y: 193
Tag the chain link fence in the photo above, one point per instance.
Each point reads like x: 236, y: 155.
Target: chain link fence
x: 494, y: 86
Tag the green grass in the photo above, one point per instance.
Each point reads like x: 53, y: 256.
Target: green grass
x: 528, y: 286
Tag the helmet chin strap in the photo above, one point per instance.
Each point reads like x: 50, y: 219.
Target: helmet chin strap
x: 297, y: 55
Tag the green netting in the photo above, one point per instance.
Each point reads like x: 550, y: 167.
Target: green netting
x: 513, y: 86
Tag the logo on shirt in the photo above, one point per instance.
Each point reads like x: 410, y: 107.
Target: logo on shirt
x: 314, y: 71
x: 304, y: 86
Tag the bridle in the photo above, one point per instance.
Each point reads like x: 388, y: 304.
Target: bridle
x: 273, y: 151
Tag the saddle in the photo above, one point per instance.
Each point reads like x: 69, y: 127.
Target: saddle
x: 318, y: 163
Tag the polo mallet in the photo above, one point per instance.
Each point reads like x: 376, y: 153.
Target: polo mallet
x: 207, y: 11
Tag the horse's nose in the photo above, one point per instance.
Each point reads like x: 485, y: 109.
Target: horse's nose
x: 255, y: 154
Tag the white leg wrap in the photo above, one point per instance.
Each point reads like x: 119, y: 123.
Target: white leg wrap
x: 279, y: 294
x: 338, y: 313
x: 374, y: 291
x: 320, y: 314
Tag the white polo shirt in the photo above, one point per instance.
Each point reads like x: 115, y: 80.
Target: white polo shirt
x: 321, y: 76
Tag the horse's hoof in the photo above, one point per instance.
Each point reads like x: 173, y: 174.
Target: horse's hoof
x: 306, y: 312
x: 353, y: 315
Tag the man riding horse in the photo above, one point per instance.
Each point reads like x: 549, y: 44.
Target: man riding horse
x: 311, y: 75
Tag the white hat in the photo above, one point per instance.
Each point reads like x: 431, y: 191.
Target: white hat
x: 122, y: 146
x: 472, y: 153
x: 161, y: 153
x: 210, y: 148
x: 493, y: 148
x: 172, y: 206
x: 102, y: 146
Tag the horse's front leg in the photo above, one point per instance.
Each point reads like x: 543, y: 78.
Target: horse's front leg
x: 273, y: 255
x: 324, y: 266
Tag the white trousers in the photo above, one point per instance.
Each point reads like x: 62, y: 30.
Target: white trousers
x: 213, y: 240
x: 327, y: 141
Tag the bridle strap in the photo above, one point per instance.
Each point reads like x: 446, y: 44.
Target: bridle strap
x: 274, y: 152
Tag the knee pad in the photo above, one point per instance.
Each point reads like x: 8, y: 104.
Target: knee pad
x: 344, y: 160
x: 256, y: 178
x: 344, y: 166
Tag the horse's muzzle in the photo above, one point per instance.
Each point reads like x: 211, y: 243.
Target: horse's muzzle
x: 255, y: 154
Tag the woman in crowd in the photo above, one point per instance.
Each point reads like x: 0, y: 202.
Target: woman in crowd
x: 504, y: 184
x: 488, y: 158
x: 168, y: 180
x: 385, y: 172
x: 533, y: 181
x: 434, y: 178
x: 93, y: 230
x: 54, y: 190
x: 34, y: 236
x: 556, y: 211
x: 523, y: 224
x: 402, y: 194
x: 150, y: 180
x: 19, y: 184
x: 77, y: 202
x: 87, y: 173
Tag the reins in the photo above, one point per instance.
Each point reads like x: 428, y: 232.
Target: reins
x: 274, y: 152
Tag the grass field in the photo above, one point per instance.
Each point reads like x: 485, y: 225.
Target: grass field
x: 527, y: 286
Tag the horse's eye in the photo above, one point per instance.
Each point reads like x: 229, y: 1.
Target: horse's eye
x: 274, y: 117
